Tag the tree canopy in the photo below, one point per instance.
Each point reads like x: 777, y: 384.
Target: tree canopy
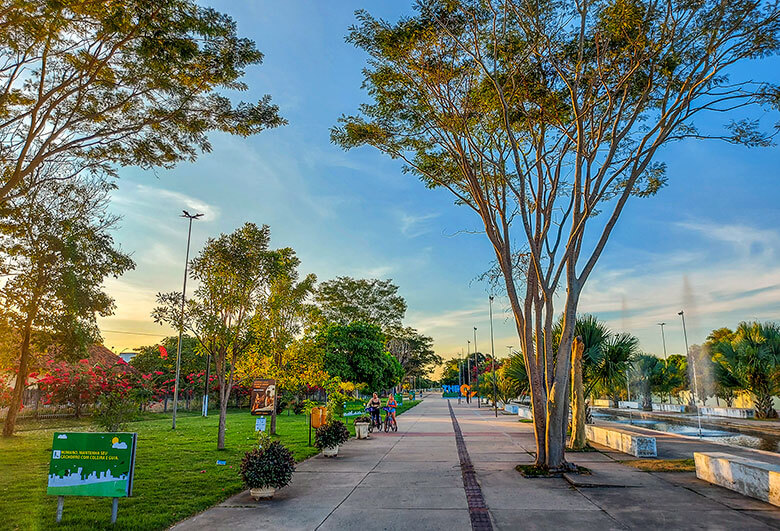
x: 345, y: 300
x: 89, y: 85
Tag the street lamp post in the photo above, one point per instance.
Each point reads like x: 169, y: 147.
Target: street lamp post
x: 468, y: 370
x: 460, y: 373
x: 681, y: 313
x: 493, y: 360
x: 190, y: 217
x: 663, y: 337
x: 476, y: 366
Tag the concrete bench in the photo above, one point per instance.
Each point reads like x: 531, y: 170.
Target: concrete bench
x: 524, y: 412
x: 624, y: 404
x: 602, y: 402
x: 672, y: 408
x: 511, y: 408
x: 749, y: 477
x: 623, y: 441
x: 734, y: 412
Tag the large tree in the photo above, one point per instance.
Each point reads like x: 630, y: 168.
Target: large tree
x: 56, y: 249
x: 356, y: 353
x: 545, y: 118
x: 413, y: 350
x: 89, y: 85
x: 232, y: 270
x: 345, y: 300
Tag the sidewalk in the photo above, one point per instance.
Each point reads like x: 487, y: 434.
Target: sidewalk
x: 414, y: 479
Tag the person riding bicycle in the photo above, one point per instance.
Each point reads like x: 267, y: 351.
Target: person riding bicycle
x: 374, y: 404
x: 391, y: 406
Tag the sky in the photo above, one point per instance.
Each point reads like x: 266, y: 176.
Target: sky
x: 708, y: 243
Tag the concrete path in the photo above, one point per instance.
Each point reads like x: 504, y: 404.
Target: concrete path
x: 416, y: 479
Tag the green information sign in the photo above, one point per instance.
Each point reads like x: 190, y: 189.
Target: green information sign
x: 92, y: 464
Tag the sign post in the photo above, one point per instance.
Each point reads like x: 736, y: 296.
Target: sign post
x: 92, y: 464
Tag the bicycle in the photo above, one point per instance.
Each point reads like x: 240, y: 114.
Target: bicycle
x: 376, y: 420
x: 390, y: 422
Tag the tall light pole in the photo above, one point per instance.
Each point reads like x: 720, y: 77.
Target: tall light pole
x: 493, y: 360
x: 476, y: 366
x: 663, y: 337
x: 468, y: 370
x: 460, y: 373
x: 190, y: 217
x: 681, y: 313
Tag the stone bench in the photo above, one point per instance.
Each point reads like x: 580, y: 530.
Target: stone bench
x: 511, y: 408
x: 749, y: 477
x: 623, y: 441
x: 524, y: 412
x: 601, y: 402
x: 734, y: 412
x: 624, y: 404
x: 671, y: 408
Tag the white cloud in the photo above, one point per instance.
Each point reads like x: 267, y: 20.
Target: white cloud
x: 119, y: 445
x: 140, y: 200
x: 416, y: 225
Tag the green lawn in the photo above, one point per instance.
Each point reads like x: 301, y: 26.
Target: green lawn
x: 176, y: 472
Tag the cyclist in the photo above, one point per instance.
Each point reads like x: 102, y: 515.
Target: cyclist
x: 375, y: 403
x: 391, y: 405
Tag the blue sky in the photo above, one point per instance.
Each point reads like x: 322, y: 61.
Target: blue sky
x: 709, y: 242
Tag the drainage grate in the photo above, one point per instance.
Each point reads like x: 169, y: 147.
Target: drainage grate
x: 478, y: 512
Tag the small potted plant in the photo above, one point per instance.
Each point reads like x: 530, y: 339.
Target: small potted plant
x: 267, y: 467
x: 361, y: 426
x: 328, y: 437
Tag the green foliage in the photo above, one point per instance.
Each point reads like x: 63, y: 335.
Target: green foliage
x: 271, y: 465
x: 751, y: 360
x: 90, y: 86
x: 356, y: 353
x: 149, y: 359
x: 345, y: 300
x: 331, y: 435
x: 516, y: 376
x: 114, y: 411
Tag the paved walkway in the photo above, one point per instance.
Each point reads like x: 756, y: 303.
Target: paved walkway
x: 415, y: 479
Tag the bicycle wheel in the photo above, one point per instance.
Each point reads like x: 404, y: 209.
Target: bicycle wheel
x: 395, y: 426
x: 387, y: 425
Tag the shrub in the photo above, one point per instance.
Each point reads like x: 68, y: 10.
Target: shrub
x: 114, y: 411
x: 270, y: 465
x: 298, y: 407
x: 362, y: 418
x: 331, y: 435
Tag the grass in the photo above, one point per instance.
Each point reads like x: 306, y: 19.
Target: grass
x: 176, y: 473
x: 662, y: 465
x: 526, y: 421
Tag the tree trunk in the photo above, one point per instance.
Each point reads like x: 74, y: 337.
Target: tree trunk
x: 578, y: 440
x: 222, y: 420
x: 764, y: 408
x: 21, y: 381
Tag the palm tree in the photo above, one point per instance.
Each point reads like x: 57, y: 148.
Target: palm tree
x: 515, y: 376
x: 651, y: 373
x: 609, y: 369
x: 752, y: 359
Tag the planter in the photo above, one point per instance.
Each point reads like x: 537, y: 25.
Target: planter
x: 330, y: 452
x: 263, y: 493
x: 361, y: 430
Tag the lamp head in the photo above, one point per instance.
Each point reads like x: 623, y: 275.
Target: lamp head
x: 680, y: 312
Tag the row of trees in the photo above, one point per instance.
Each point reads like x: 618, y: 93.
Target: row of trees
x: 254, y: 316
x: 731, y: 363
